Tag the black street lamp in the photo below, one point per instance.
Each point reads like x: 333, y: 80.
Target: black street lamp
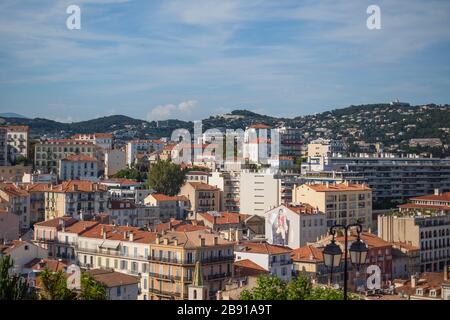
x: 332, y: 253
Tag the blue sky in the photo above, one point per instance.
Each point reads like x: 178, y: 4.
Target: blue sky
x: 191, y: 59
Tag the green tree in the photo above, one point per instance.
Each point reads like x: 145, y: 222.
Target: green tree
x: 54, y: 286
x: 166, y: 177
x: 267, y: 288
x: 299, y: 288
x: 91, y: 289
x: 12, y: 287
x: 131, y: 173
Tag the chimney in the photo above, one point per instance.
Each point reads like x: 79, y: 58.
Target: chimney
x: 131, y: 236
x: 158, y: 238
x: 327, y: 184
x: 175, y: 242
x: 102, y: 232
x: 215, y: 220
x: 166, y: 241
x: 413, y: 281
x: 437, y: 192
x: 124, y: 235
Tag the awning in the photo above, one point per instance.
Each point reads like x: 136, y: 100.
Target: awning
x: 109, y: 245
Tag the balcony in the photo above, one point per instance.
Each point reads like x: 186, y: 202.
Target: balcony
x: 217, y: 259
x: 219, y: 276
x: 171, y: 260
x: 164, y: 293
x: 168, y: 277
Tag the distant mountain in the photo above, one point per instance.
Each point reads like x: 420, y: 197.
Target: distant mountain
x: 393, y: 126
x: 11, y: 115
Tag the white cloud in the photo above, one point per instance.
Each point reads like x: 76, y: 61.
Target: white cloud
x: 164, y: 112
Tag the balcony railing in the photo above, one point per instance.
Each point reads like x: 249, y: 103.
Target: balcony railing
x: 165, y: 293
x: 219, y: 276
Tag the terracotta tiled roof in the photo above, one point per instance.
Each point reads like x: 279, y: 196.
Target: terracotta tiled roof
x: 117, y: 233
x: 121, y: 181
x: 78, y: 186
x: 13, y: 190
x: 445, y: 196
x: 56, y: 222
x: 202, y: 186
x: 308, y: 253
x: 246, y: 267
x: 80, y: 226
x: 79, y: 157
x: 112, y: 279
x: 193, y: 239
x: 50, y: 264
x: 427, y: 280
x: 224, y: 218
x: 370, y: 239
x: 163, y: 197
x: 36, y: 187
x: 262, y: 248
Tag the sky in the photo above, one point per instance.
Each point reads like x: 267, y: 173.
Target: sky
x: 160, y: 59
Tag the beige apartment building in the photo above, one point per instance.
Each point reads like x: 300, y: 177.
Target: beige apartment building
x: 203, y: 197
x: 49, y: 152
x: 17, y: 201
x: 343, y: 203
x: 14, y: 173
x: 169, y: 206
x: 115, y: 160
x: 172, y: 262
x: 74, y: 197
x: 430, y: 233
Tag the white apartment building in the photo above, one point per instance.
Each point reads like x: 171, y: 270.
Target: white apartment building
x: 103, y: 140
x: 275, y: 259
x: 78, y: 167
x: 343, y: 203
x: 294, y: 226
x: 17, y: 142
x: 142, y: 146
x: 122, y: 249
x: 259, y: 192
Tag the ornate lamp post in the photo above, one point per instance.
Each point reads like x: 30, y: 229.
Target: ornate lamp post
x: 332, y: 253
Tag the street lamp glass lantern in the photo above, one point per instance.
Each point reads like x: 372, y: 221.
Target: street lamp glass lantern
x: 358, y: 252
x: 332, y: 255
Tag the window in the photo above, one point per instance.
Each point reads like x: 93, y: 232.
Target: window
x: 119, y: 291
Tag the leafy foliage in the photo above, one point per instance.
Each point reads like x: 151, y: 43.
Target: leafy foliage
x: 300, y: 288
x: 12, y: 287
x: 166, y: 177
x: 91, y: 289
x: 54, y: 286
x: 132, y: 173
